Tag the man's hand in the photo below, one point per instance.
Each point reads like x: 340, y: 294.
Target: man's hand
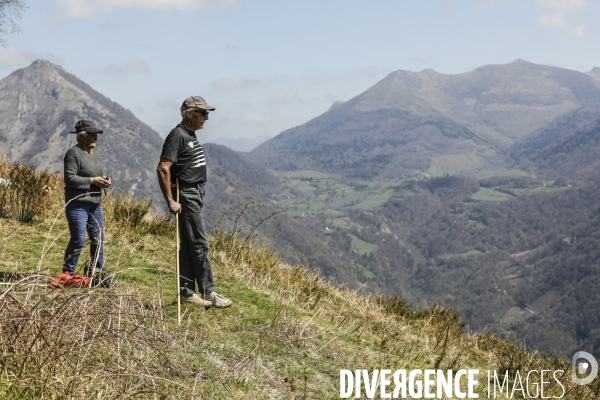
x: 174, y: 207
x: 100, y: 182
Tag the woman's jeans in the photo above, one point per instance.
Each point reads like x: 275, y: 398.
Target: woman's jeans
x: 84, y: 217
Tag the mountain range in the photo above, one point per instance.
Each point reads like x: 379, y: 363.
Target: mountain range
x: 417, y: 124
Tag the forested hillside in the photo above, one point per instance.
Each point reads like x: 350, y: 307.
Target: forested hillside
x: 524, y: 267
x: 567, y: 149
x: 238, y: 196
x: 512, y: 253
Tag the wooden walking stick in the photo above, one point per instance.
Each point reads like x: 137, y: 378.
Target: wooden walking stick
x: 177, y: 278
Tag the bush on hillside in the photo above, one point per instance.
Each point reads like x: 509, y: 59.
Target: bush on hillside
x: 126, y: 213
x: 24, y: 192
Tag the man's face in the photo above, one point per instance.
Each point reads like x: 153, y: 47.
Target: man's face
x: 198, y: 117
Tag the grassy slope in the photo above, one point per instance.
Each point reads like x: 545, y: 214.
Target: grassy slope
x: 287, y: 332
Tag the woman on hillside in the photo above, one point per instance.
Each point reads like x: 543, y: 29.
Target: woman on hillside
x: 84, y: 181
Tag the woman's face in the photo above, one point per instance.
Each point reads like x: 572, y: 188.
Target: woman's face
x: 90, y: 140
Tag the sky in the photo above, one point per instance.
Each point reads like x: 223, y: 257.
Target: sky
x: 268, y: 66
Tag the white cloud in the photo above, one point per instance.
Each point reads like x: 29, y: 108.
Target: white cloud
x: 554, y: 15
x: 91, y: 8
x: 13, y: 57
x: 234, y: 82
x: 132, y: 66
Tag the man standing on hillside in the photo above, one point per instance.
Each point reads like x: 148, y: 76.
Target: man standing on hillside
x: 183, y: 158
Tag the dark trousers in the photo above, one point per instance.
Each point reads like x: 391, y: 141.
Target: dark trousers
x: 84, y: 217
x: 194, y: 264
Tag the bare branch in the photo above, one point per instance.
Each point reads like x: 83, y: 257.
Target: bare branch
x: 11, y: 12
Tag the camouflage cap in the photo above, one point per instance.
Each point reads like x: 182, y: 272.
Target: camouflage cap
x: 196, y: 102
x: 87, y: 126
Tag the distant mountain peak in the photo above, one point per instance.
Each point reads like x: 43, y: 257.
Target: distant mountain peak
x: 45, y: 101
x: 594, y: 73
x: 43, y: 63
x: 428, y: 72
x: 39, y: 61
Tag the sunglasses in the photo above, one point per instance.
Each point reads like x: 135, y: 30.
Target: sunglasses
x: 203, y: 112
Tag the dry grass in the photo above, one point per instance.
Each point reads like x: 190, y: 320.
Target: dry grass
x: 89, y: 344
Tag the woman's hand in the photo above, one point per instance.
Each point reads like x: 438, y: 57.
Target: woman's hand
x: 100, y: 182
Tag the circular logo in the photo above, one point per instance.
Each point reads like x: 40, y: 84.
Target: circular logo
x: 582, y: 362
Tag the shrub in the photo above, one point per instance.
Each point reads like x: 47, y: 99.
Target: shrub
x: 24, y: 192
x: 126, y: 213
x: 163, y: 225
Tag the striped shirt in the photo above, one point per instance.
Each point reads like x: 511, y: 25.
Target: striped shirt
x: 183, y: 149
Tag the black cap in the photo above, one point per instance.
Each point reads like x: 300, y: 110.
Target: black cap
x: 87, y: 126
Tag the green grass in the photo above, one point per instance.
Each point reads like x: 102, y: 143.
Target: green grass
x: 538, y: 189
x: 332, y: 194
x: 363, y: 247
x: 345, y: 222
x: 487, y: 194
x: 368, y: 273
x: 374, y: 200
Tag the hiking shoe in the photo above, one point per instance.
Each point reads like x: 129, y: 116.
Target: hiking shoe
x: 196, y: 299
x: 69, y: 281
x: 102, y: 279
x: 219, y: 301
